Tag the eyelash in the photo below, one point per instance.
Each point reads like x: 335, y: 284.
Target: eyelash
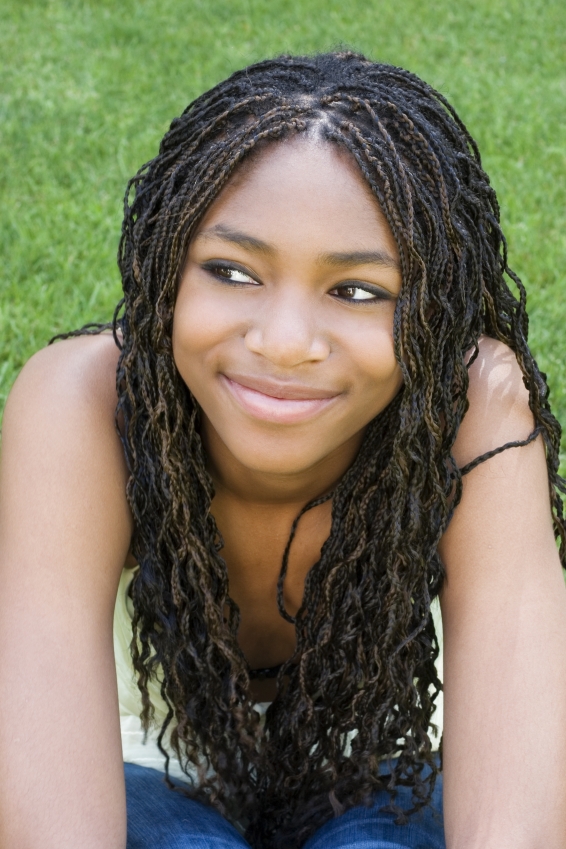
x: 378, y: 295
x: 216, y: 267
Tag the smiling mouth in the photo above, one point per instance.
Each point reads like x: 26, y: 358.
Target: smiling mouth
x: 282, y: 404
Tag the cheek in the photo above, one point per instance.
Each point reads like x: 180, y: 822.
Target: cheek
x: 372, y: 351
x: 379, y: 374
x: 200, y: 325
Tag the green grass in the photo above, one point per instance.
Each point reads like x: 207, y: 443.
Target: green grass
x: 88, y: 88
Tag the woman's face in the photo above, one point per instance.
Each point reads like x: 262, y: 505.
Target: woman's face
x: 283, y: 325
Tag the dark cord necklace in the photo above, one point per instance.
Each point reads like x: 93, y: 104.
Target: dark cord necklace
x: 273, y: 671
x: 285, y: 563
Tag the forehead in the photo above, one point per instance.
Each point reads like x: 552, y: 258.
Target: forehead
x: 301, y: 191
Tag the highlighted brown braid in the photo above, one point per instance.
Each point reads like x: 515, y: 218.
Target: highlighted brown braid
x: 361, y: 684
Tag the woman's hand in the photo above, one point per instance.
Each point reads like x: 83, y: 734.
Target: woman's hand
x: 64, y: 535
x: 504, y: 619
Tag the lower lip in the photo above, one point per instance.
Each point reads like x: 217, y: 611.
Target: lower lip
x: 279, y: 410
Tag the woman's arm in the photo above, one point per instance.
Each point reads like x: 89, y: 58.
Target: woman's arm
x: 64, y: 535
x: 504, y: 618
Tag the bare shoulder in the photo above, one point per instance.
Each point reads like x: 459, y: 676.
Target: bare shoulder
x: 62, y: 466
x: 76, y: 371
x: 499, y: 409
x: 503, y: 523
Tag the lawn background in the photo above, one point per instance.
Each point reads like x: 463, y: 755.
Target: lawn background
x: 87, y: 89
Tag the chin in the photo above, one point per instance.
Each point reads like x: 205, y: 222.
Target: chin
x: 276, y: 454
x: 276, y: 462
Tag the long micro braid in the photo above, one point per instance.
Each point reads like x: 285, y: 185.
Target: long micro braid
x: 361, y: 684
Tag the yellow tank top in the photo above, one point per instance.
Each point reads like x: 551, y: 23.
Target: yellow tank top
x: 147, y: 753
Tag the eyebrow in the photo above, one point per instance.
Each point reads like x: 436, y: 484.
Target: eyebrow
x: 350, y: 258
x: 338, y: 260
x: 236, y: 237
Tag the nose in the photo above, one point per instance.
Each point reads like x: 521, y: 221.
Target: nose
x: 286, y: 332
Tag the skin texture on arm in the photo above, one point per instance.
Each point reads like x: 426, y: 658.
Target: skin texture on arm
x: 64, y: 536
x: 504, y: 617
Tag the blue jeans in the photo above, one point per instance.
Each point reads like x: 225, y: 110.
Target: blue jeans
x: 160, y: 818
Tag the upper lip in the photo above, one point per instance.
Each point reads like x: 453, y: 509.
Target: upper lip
x: 281, y: 388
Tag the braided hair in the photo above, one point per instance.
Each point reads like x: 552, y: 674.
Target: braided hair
x: 361, y: 684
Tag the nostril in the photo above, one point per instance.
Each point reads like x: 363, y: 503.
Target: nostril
x: 288, y: 346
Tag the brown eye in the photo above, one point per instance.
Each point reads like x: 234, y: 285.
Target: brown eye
x: 358, y: 294
x: 354, y: 293
x: 231, y: 274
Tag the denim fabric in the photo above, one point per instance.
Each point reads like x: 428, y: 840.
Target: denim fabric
x: 159, y: 818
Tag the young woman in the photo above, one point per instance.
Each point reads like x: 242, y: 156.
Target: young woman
x: 316, y: 413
